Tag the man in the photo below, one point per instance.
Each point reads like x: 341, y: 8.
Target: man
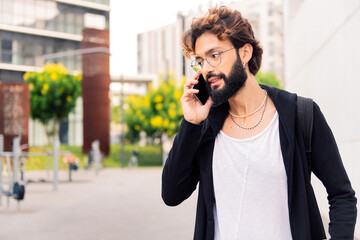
x: 245, y: 148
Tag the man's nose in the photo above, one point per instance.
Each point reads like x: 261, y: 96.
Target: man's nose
x: 206, y: 68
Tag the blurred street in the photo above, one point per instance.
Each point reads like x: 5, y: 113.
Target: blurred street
x: 116, y: 204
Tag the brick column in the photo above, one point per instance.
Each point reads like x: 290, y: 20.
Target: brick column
x: 95, y: 90
x: 14, y: 112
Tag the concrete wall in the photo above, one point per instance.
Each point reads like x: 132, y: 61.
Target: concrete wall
x: 322, y: 61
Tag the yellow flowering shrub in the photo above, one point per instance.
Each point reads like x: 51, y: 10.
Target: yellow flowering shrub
x: 53, y: 92
x: 156, y: 113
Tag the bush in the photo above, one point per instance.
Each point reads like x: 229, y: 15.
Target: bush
x: 147, y: 156
x: 269, y: 79
x: 158, y: 113
x: 40, y: 162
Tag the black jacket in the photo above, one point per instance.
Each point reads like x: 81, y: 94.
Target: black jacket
x: 190, y: 162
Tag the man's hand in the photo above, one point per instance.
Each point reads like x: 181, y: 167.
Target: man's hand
x: 193, y: 110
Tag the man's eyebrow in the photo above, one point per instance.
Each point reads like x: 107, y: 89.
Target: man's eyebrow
x: 197, y: 57
x: 208, y: 51
x: 211, y: 50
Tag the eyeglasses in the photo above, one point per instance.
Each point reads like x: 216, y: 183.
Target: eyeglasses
x: 213, y: 58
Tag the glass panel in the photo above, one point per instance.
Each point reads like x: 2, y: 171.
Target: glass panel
x: 71, y: 62
x: 77, y: 62
x: 6, y: 57
x: 11, y: 76
x: 70, y: 22
x: 6, y: 44
x: 50, y: 25
x: 79, y: 21
x: 58, y: 46
x: 63, y: 61
x: 16, y: 52
x: 38, y: 47
x: 51, y: 14
x: 28, y: 51
x: 61, y: 23
x: 16, y: 58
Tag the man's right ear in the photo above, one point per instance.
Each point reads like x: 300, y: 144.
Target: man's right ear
x: 245, y: 53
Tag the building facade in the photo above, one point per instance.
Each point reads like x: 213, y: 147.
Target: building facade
x: 33, y: 30
x: 266, y: 18
x: 322, y: 59
x: 160, y: 50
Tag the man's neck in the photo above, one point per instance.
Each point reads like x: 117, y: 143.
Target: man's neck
x: 248, y: 98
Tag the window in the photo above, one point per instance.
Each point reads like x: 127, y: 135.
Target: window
x: 6, y: 50
x: 28, y: 53
x: 61, y: 22
x: 79, y: 21
x: 16, y: 51
x: 6, y: 44
x: 11, y: 76
x: 70, y: 22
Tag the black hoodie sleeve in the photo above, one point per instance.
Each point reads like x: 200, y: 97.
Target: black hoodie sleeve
x: 180, y: 173
x: 328, y: 167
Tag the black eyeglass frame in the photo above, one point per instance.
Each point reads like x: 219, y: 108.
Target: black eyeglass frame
x: 196, y: 65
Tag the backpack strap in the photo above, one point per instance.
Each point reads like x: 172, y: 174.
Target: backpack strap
x: 306, y: 118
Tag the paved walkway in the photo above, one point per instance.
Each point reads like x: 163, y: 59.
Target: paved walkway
x: 116, y: 204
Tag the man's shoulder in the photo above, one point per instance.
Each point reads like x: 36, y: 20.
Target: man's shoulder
x: 280, y: 96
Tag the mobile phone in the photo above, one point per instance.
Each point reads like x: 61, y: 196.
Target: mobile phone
x: 203, y: 94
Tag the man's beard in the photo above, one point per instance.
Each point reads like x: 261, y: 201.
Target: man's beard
x: 232, y: 84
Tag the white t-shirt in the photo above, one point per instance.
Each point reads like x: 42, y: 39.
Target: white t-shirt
x: 250, y: 185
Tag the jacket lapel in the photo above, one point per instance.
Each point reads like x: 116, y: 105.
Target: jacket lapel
x: 215, y: 121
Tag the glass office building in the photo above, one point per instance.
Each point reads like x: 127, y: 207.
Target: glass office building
x: 32, y: 29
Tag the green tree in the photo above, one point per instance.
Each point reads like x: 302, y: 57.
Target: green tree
x: 157, y: 113
x: 135, y: 117
x: 53, y: 94
x: 268, y: 79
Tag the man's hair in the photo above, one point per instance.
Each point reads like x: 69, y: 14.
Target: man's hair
x: 226, y: 24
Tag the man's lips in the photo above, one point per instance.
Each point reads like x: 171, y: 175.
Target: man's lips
x: 214, y: 80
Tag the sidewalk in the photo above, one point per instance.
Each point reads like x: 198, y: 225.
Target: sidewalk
x: 116, y: 204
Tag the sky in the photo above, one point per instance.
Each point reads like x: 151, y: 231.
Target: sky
x: 130, y: 17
